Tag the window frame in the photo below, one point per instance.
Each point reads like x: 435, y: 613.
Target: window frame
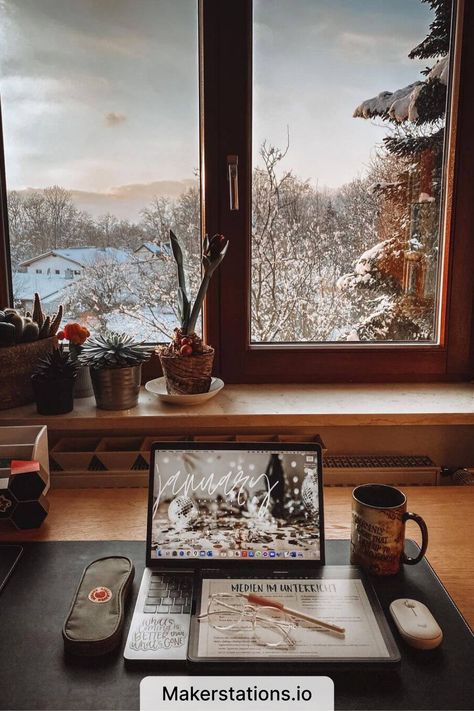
x: 230, y: 86
x: 225, y: 78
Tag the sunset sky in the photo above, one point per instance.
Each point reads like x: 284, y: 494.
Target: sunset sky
x: 101, y: 95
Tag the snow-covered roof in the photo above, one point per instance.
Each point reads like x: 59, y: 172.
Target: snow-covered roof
x: 155, y: 248
x: 82, y: 255
x: 25, y: 284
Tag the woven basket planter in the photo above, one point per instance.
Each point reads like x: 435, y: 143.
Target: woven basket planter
x: 187, y: 375
x: 16, y: 366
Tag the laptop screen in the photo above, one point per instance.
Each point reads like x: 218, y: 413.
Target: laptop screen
x: 236, y: 503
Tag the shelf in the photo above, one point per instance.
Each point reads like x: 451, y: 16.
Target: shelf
x: 282, y: 407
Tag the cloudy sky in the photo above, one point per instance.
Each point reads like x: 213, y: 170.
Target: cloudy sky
x: 101, y: 96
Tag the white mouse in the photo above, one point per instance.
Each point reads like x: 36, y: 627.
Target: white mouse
x: 416, y: 624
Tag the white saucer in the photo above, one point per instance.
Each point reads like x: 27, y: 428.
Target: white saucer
x: 158, y: 387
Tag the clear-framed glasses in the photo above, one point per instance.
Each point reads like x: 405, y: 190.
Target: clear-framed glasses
x: 271, y: 626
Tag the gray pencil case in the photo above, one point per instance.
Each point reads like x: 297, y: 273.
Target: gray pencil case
x: 95, y: 621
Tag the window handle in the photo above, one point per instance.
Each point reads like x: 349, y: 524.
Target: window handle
x: 233, y: 178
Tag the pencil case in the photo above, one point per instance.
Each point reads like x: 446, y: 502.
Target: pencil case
x: 95, y: 621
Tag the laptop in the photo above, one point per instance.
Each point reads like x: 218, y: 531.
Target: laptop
x: 214, y: 509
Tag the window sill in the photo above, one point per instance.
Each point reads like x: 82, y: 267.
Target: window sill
x: 281, y: 407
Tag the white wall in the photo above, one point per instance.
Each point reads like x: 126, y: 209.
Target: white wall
x: 54, y: 262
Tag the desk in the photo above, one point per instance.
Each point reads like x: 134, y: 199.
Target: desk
x: 118, y: 514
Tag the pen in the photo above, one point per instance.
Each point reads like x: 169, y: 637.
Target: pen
x: 257, y: 600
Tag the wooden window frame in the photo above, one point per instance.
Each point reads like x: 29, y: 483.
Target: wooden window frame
x: 226, y: 118
x: 227, y: 91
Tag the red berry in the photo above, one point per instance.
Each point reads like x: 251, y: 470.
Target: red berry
x: 186, y: 350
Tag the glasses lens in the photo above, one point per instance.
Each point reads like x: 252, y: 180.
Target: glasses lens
x: 272, y: 627
x: 225, y: 610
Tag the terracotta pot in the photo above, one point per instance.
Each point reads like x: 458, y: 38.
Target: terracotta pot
x: 16, y: 366
x: 187, y: 375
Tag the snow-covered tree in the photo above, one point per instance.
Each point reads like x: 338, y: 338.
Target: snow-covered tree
x: 296, y: 256
x: 398, y: 274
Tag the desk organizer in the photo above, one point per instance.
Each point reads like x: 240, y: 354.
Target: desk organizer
x: 124, y: 461
x: 25, y: 443
x: 22, y: 503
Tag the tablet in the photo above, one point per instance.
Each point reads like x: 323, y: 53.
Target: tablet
x: 226, y: 627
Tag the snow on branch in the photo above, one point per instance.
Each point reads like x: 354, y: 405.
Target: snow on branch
x: 401, y: 105
x: 397, y: 105
x: 440, y: 71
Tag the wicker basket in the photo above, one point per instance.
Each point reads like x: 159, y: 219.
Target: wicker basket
x: 16, y: 365
x: 187, y: 375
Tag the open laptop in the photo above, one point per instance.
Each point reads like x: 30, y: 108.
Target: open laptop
x: 227, y: 508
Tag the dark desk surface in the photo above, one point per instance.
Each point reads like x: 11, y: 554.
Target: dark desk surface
x: 34, y: 674
x: 88, y: 514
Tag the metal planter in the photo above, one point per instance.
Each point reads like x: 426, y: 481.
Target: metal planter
x: 116, y: 388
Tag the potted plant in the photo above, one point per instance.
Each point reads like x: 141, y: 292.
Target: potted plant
x: 115, y: 364
x: 77, y: 335
x: 53, y: 382
x: 24, y: 337
x: 187, y: 360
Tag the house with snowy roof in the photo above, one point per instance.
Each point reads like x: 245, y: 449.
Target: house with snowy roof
x: 52, y: 272
x: 70, y: 263
x: 151, y: 250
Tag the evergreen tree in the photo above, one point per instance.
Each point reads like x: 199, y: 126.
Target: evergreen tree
x: 400, y: 271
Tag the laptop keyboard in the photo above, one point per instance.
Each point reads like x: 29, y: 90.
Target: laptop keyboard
x: 169, y: 594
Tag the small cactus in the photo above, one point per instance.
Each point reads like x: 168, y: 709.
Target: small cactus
x: 29, y: 327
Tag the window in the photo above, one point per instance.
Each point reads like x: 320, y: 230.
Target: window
x: 350, y: 120
x: 347, y: 183
x: 100, y: 132
x: 39, y: 271
x: 300, y: 304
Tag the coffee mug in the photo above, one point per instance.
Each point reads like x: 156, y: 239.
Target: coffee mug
x: 379, y: 514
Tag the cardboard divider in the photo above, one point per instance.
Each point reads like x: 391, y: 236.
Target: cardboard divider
x: 73, y: 453
x: 118, y: 453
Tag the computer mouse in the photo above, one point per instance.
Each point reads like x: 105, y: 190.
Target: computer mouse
x: 416, y: 624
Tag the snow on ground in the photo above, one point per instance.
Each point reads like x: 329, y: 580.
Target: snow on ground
x: 139, y: 328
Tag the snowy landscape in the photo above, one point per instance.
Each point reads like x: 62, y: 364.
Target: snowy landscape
x: 354, y: 262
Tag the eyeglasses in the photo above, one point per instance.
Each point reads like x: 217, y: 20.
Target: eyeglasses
x: 271, y: 627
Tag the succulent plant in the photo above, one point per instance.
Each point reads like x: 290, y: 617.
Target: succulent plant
x: 113, y: 350
x: 57, y: 365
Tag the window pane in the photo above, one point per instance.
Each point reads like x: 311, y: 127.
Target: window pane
x: 100, y: 106
x: 348, y: 140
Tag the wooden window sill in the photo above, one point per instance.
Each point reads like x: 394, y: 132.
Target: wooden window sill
x: 281, y: 407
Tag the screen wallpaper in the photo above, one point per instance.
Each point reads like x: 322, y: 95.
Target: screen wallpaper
x: 235, y: 504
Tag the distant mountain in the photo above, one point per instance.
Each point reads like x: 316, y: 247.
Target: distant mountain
x: 125, y: 201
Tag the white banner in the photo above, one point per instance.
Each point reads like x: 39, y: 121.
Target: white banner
x: 249, y: 693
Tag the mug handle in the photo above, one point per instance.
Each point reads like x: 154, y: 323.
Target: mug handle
x: 424, y: 538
